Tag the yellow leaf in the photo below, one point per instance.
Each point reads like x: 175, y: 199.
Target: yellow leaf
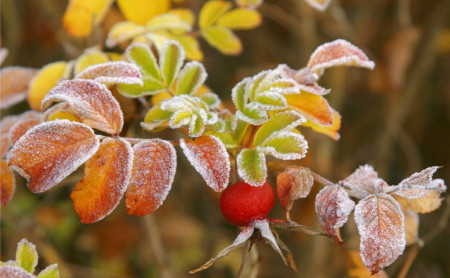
x: 160, y: 97
x: 314, y: 107
x: 211, y: 11
x: 240, y: 19
x: 191, y: 47
x: 63, y: 115
x: 252, y: 4
x: 331, y: 131
x: 185, y: 14
x: 46, y: 79
x: 81, y: 15
x: 90, y: 58
x: 223, y: 39
x: 123, y: 31
x: 141, y: 11
x: 357, y: 269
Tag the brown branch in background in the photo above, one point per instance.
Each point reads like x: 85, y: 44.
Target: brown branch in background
x: 156, y: 246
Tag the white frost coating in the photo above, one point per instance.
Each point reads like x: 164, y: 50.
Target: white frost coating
x: 320, y: 5
x: 239, y: 93
x: 119, y: 72
x: 240, y: 239
x: 163, y: 57
x: 21, y: 245
x: 91, y: 101
x: 244, y: 173
x: 422, y: 180
x: 14, y: 82
x: 314, y: 89
x: 263, y: 226
x: 211, y: 99
x: 49, y: 270
x: 291, y: 86
x: 338, y: 53
x: 272, y: 150
x: 201, y: 79
x: 211, y: 160
x: 38, y: 144
x: 364, y: 181
x: 381, y: 225
x: 271, y: 96
x: 11, y: 271
x: 263, y: 118
x: 26, y: 120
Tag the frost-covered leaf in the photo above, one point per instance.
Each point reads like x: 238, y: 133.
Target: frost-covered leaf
x: 240, y: 19
x: 333, y: 206
x: 251, y: 166
x: 140, y: 11
x: 252, y: 114
x: 293, y: 183
x: 150, y: 87
x: 223, y: 39
x: 50, y: 271
x: 314, y: 107
x: 331, y: 130
x: 210, y: 158
x: 282, y: 121
x: 123, y: 31
x: 143, y: 57
x: 266, y: 233
x: 338, y: 53
x: 47, y: 78
x: 422, y: 180
x: 106, y: 177
x: 251, y: 4
x: 91, y: 102
x: 285, y: 145
x: 118, y: 72
x: 363, y: 182
x: 211, y: 99
x: 81, y: 15
x: 411, y: 226
x: 380, y: 223
x: 424, y: 204
x: 239, y: 94
x: 11, y: 271
x: 190, y: 78
x: 5, y: 125
x: 156, y: 118
x: 27, y: 120
x: 320, y: 5
x: 26, y: 255
x: 88, y: 58
x: 7, y: 183
x: 212, y: 11
x: 238, y: 242
x: 168, y: 21
x: 51, y: 151
x: 153, y: 171
x: 357, y: 269
x: 170, y: 62
x: 14, y: 83
x: 60, y: 111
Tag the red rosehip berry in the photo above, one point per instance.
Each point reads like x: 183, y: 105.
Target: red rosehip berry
x: 242, y: 203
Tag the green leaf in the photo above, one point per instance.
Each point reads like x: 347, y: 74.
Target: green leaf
x: 180, y: 118
x: 26, y: 255
x: 172, y: 56
x: 225, y: 137
x: 157, y: 114
x: 211, y: 11
x: 271, y: 101
x: 50, y: 271
x: 285, y: 145
x: 150, y: 87
x: 211, y: 99
x: 197, y: 126
x: 252, y: 114
x: 143, y: 57
x: 239, y: 132
x: 238, y: 93
x: 281, y: 121
x: 190, y: 78
x: 252, y: 168
x: 223, y: 39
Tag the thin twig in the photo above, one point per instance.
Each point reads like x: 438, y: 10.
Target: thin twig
x: 156, y: 246
x: 247, y: 249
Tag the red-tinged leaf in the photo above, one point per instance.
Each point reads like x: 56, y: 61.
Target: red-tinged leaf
x: 333, y: 206
x: 381, y: 224
x: 91, y: 102
x: 51, y: 151
x: 27, y: 120
x: 338, y: 53
x: 7, y: 183
x: 12, y: 271
x: 106, y: 176
x: 210, y: 158
x: 5, y: 126
x: 14, y: 85
x: 153, y: 171
x: 422, y: 180
x: 293, y: 183
x: 364, y: 181
x: 427, y: 203
x: 113, y: 73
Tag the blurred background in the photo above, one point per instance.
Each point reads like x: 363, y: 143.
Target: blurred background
x: 395, y: 118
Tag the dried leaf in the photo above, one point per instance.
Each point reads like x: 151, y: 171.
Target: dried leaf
x: 357, y: 269
x: 240, y: 19
x: 266, y: 233
x: 26, y: 255
x: 140, y: 11
x: 14, y: 83
x: 314, y: 107
x: 338, y: 53
x: 363, y: 182
x: 153, y: 171
x: 223, y: 39
x: 251, y: 166
x: 7, y: 183
x: 425, y: 204
x: 381, y: 225
x: 333, y: 206
x: 106, y: 177
x: 320, y: 5
x: 210, y: 158
x: 91, y: 102
x: 292, y: 184
x: 51, y: 151
x: 11, y: 271
x: 27, y: 120
x: 423, y: 180
x: 113, y: 73
x: 411, y: 226
x: 211, y: 12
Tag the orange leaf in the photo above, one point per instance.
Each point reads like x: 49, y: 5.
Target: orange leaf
x: 14, y: 85
x: 333, y: 206
x: 153, y: 171
x: 106, y: 176
x: 210, y: 158
x: 331, y: 131
x: 51, y: 151
x: 7, y: 183
x: 113, y: 72
x: 5, y: 126
x: 91, y: 102
x: 357, y: 269
x: 27, y: 120
x: 381, y: 225
x: 427, y: 203
x: 314, y: 107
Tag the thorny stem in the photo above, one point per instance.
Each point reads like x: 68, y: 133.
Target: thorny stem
x: 247, y: 248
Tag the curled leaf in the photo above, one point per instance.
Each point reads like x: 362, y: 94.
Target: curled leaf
x: 51, y: 151
x: 363, y: 182
x: 314, y: 107
x: 210, y: 158
x: 152, y: 175
x: 14, y: 83
x: 7, y: 183
x: 428, y: 202
x: 380, y: 223
x: 106, y: 177
x: 27, y: 120
x: 112, y: 73
x: 333, y: 206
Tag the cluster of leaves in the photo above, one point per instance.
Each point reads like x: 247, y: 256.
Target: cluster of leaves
x: 25, y: 264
